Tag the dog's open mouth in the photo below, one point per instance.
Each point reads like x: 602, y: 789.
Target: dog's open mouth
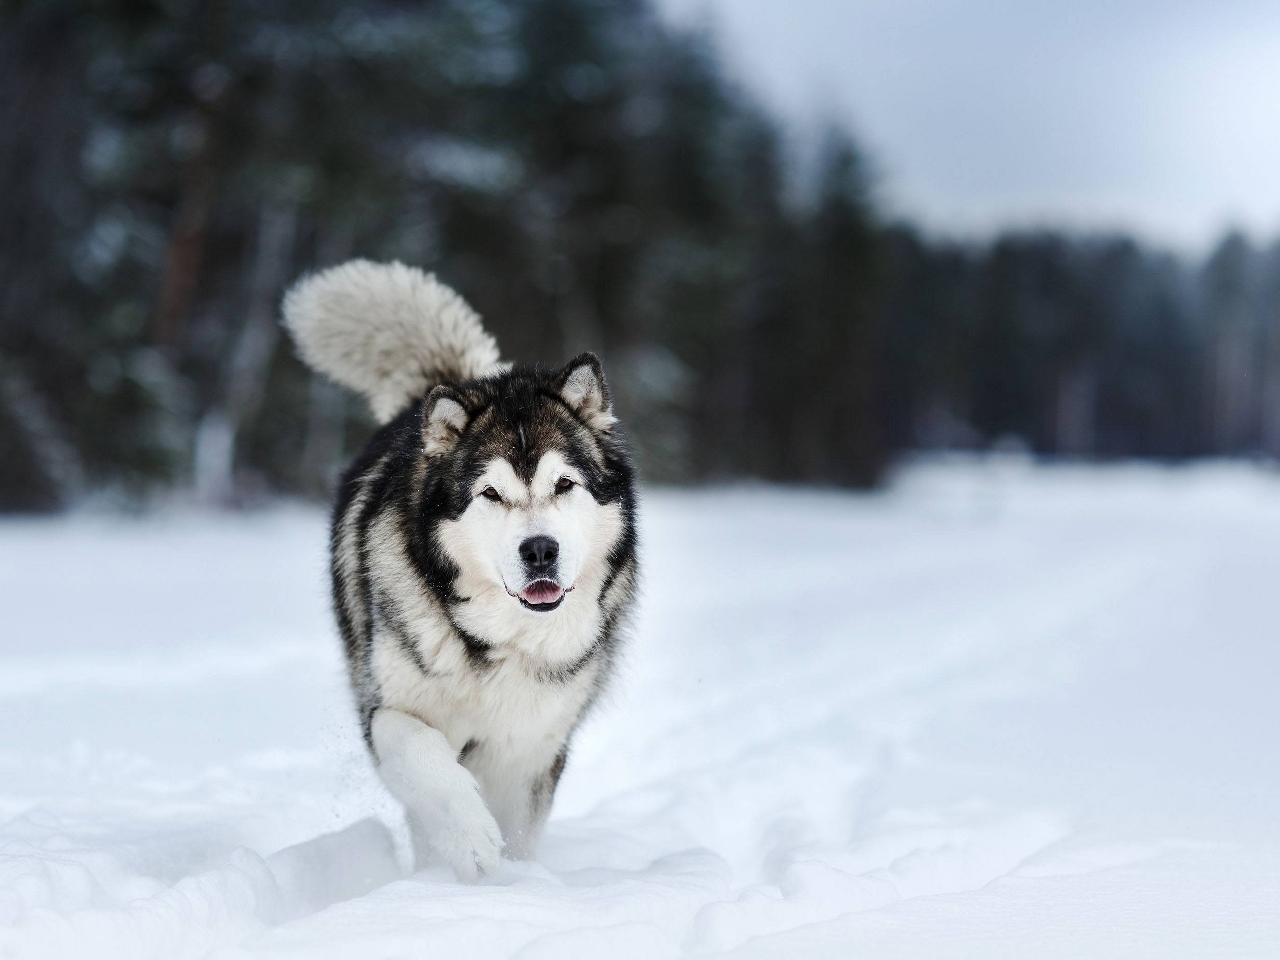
x: 542, y: 595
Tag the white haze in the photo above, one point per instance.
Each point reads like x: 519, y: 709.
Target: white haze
x: 1156, y: 117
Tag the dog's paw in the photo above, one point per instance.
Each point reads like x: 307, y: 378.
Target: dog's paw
x: 452, y: 825
x: 466, y: 836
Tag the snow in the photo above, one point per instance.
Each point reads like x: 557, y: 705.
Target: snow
x: 1000, y: 710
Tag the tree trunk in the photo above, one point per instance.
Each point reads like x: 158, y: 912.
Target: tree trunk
x: 221, y: 428
x: 1270, y: 413
x: 52, y: 449
x: 1076, y: 411
x: 186, y: 248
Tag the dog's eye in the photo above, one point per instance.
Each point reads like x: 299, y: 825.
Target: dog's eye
x: 564, y: 485
x: 491, y: 494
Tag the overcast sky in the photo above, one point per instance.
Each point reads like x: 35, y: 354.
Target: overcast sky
x: 1161, y: 118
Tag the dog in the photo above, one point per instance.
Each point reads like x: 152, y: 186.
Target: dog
x: 483, y: 556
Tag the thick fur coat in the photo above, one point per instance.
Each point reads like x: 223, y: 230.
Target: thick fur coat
x: 483, y: 555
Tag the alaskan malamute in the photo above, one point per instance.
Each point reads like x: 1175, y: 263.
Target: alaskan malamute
x: 483, y: 555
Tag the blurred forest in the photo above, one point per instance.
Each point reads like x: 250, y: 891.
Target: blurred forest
x: 589, y: 178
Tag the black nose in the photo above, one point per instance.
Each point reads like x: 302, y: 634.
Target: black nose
x: 539, y: 554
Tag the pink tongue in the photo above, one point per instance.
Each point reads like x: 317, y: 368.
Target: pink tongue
x: 541, y: 591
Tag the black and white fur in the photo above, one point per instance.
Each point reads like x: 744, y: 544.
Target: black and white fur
x: 483, y: 555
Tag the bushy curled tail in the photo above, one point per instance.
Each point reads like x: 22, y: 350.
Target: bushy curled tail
x: 388, y: 331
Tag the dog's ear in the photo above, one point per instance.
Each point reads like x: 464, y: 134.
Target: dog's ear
x: 444, y: 417
x: 582, y: 387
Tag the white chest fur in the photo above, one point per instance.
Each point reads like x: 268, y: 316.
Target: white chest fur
x: 504, y: 708
x: 515, y: 711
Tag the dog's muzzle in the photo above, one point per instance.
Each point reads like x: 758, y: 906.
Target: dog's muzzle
x: 542, y: 593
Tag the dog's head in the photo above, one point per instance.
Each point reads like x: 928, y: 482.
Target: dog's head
x: 529, y: 497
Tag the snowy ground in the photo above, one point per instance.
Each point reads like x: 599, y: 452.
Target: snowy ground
x: 998, y: 711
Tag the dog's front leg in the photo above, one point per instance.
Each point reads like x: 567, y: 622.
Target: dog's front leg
x: 520, y: 803
x: 447, y: 816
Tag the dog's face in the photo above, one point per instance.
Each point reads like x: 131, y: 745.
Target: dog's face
x: 533, y: 501
x: 535, y: 533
